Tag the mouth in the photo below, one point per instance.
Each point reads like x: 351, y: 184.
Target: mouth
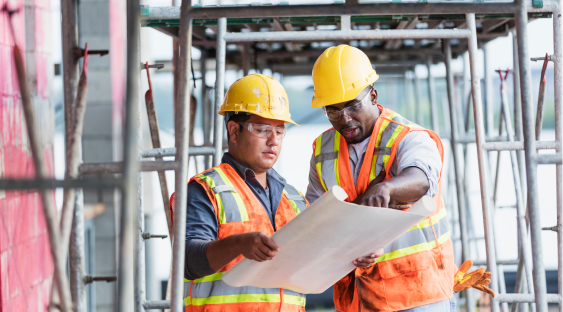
x: 270, y: 154
x: 350, y: 132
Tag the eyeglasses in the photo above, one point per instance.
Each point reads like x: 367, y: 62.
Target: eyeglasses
x: 263, y: 130
x: 336, y: 114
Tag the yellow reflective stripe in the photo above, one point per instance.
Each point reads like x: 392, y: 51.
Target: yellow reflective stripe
x: 297, y: 300
x: 187, y: 301
x: 275, y: 298
x: 435, y: 219
x: 238, y: 199
x: 336, y: 149
x: 211, y: 183
x: 413, y: 249
x: 292, y: 202
x: 319, y: 164
x: 236, y: 299
x: 372, y: 174
x: 390, y: 143
x: 210, y: 278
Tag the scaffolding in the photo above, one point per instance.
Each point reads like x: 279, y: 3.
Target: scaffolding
x: 185, y: 24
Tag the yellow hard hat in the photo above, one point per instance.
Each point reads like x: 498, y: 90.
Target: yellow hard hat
x: 339, y: 75
x: 259, y: 95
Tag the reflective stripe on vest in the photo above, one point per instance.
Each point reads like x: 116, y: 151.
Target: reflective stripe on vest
x: 428, y: 233
x: 231, y: 208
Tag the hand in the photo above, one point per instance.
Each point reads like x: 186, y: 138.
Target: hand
x: 376, y: 195
x: 257, y: 246
x: 366, y: 262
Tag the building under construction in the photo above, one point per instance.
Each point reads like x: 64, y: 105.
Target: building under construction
x: 95, y: 235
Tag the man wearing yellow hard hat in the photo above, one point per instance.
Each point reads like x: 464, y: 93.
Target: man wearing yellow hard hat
x: 383, y: 160
x: 234, y: 208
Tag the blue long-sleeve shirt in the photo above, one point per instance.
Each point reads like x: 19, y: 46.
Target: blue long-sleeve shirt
x: 201, y: 221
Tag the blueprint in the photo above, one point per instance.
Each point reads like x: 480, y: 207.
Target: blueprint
x: 318, y: 246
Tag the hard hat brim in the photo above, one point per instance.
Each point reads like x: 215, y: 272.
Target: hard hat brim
x: 318, y: 101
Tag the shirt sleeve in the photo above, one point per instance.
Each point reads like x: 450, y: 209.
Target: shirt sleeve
x: 418, y: 149
x: 201, y: 229
x: 315, y: 188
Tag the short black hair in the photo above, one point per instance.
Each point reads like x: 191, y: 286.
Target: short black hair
x: 238, y: 118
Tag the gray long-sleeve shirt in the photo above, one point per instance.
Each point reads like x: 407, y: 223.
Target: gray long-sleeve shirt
x: 201, y: 221
x: 417, y: 149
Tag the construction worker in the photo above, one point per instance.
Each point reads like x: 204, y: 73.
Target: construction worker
x: 383, y: 160
x: 234, y: 208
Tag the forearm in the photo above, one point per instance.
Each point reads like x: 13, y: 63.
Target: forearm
x: 221, y: 252
x: 410, y: 185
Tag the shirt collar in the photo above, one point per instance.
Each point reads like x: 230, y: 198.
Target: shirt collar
x: 247, y: 172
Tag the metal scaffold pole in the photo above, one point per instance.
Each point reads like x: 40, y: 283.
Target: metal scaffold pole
x: 131, y: 164
x: 482, y: 157
x: 432, y: 96
x: 219, y: 89
x: 558, y: 103
x: 182, y: 153
x: 530, y: 156
x: 460, y: 186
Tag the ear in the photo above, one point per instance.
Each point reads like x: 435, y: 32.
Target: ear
x: 233, y: 130
x: 374, y: 96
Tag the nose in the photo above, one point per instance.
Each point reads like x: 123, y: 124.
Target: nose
x: 344, y: 118
x: 274, y: 139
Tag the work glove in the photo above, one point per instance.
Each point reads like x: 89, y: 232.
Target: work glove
x: 477, y: 279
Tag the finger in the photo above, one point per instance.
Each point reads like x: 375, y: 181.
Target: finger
x: 367, y: 260
x: 378, y: 253
x: 267, y: 251
x: 259, y: 254
x: 269, y: 242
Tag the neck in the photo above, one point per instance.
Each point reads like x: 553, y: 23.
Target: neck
x: 261, y: 175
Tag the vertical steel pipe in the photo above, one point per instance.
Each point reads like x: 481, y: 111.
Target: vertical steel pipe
x: 140, y: 283
x: 206, y: 111
x: 520, y: 206
x: 489, y: 112
x: 518, y: 132
x: 69, y: 28
x: 182, y: 155
x: 419, y: 112
x: 219, y: 89
x: 460, y: 185
x: 521, y: 17
x: 558, y: 87
x: 482, y: 157
x: 131, y: 165
x: 76, y: 255
x: 432, y: 96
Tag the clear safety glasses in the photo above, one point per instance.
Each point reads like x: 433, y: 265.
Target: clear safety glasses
x: 263, y: 130
x: 352, y: 110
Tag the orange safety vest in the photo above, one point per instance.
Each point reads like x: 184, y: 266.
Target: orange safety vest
x: 418, y: 267
x: 239, y: 211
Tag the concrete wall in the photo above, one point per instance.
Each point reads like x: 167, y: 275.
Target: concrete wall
x: 25, y: 261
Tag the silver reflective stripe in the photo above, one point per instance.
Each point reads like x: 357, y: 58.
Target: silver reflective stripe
x: 327, y: 166
x: 295, y: 197
x: 223, y: 188
x: 382, y: 151
x: 186, y: 290
x: 385, y: 137
x: 326, y: 156
x: 293, y: 194
x: 220, y: 288
x: 402, y: 120
x: 230, y: 206
x: 418, y: 236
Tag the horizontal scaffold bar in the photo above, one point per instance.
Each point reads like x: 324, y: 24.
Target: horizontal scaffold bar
x: 29, y: 184
x: 264, y: 36
x: 522, y: 298
x: 518, y: 146
x: 325, y: 10
x: 156, y: 304
x: 117, y: 167
x: 171, y: 151
x: 550, y: 159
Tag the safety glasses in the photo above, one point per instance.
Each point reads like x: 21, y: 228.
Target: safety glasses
x: 263, y: 130
x: 352, y: 110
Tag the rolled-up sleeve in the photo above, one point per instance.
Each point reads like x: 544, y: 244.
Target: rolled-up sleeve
x: 418, y: 149
x: 201, y: 229
x: 315, y: 188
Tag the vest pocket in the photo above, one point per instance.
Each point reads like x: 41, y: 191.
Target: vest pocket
x: 404, y: 265
x: 231, y: 228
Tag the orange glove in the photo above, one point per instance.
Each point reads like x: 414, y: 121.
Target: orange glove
x: 476, y: 279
